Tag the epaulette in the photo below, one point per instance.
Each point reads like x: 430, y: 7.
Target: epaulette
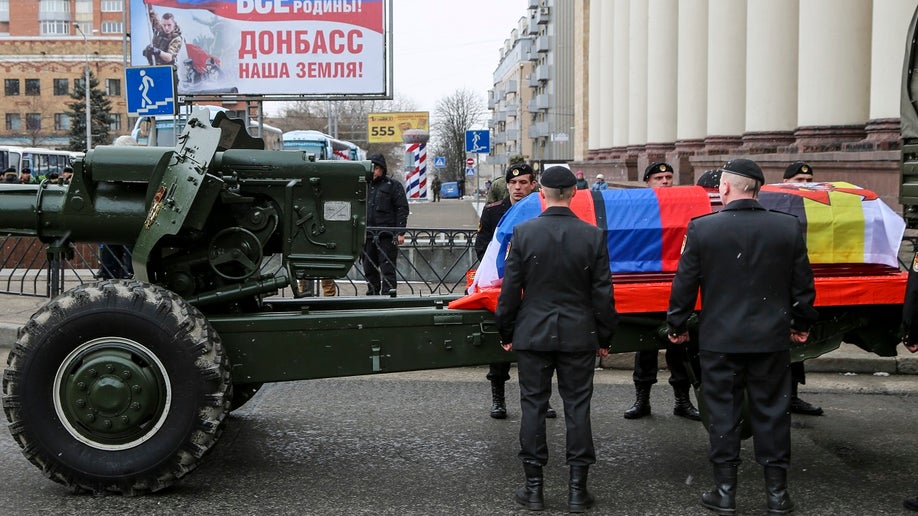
x: 493, y: 204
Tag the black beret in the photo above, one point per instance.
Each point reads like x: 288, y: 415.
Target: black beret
x: 746, y: 168
x: 519, y: 169
x: 797, y: 167
x: 709, y: 179
x: 657, y: 167
x: 378, y: 159
x: 558, y: 177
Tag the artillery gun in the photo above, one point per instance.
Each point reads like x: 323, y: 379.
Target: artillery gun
x: 124, y: 385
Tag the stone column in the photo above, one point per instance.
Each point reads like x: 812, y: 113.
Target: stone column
x: 662, y: 51
x: 726, y: 75
x: 692, y: 91
x: 637, y: 81
x: 606, y: 73
x: 835, y: 66
x: 771, y: 74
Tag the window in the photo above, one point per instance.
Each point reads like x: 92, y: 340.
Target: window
x: 54, y: 28
x: 53, y: 9
x: 61, y: 87
x: 13, y: 122
x: 112, y: 28
x: 79, y: 84
x: 112, y: 6
x: 33, y: 87
x: 114, y: 122
x: 83, y: 7
x: 11, y: 87
x: 33, y: 121
x: 61, y: 122
x: 113, y: 87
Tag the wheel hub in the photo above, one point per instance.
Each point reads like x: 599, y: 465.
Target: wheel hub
x: 112, y: 393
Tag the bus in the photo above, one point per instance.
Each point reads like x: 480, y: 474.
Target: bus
x: 323, y: 146
x: 160, y: 130
x: 39, y: 160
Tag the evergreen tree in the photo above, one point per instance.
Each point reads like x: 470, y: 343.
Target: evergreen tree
x: 100, y: 108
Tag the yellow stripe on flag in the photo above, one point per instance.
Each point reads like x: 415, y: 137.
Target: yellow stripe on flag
x: 835, y: 231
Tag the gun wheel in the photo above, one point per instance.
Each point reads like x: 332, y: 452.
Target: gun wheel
x: 117, y: 386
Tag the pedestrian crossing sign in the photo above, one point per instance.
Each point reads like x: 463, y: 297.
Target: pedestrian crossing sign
x: 150, y: 90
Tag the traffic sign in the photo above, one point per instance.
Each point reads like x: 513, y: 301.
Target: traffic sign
x: 470, y: 162
x: 469, y: 171
x: 478, y: 142
x: 150, y: 90
x: 440, y: 162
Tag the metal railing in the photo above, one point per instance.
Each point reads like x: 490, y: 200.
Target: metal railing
x: 431, y: 261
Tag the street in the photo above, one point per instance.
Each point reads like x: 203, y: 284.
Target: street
x: 422, y: 443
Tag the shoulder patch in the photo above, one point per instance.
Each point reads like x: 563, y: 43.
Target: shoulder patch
x: 493, y: 204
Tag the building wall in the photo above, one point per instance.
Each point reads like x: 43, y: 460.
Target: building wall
x: 25, y: 53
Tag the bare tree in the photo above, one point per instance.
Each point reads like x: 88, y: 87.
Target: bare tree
x: 455, y: 115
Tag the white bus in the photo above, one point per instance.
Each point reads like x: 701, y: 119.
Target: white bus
x: 323, y: 146
x: 160, y: 130
x: 40, y: 161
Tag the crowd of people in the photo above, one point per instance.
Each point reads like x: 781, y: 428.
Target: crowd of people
x: 26, y: 177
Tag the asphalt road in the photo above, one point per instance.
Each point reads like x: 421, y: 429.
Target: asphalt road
x: 421, y: 443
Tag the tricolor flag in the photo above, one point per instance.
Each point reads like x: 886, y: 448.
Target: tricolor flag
x: 843, y: 222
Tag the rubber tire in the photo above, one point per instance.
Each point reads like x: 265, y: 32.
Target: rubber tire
x: 180, y: 339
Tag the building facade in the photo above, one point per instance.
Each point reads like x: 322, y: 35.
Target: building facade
x: 697, y: 82
x: 43, y: 57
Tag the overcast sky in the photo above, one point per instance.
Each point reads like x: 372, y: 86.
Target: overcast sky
x: 441, y: 47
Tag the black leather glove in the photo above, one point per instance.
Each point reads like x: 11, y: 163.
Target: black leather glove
x: 157, y: 52
x: 148, y: 51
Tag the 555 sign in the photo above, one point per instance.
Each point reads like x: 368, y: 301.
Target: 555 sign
x: 388, y: 127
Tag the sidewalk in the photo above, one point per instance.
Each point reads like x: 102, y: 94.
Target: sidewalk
x: 16, y: 310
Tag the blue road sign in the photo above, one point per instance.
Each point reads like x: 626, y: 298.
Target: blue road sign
x: 478, y: 142
x: 440, y: 162
x: 470, y: 171
x: 150, y: 90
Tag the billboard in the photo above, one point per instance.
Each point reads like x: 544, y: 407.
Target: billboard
x: 316, y: 48
x: 388, y: 127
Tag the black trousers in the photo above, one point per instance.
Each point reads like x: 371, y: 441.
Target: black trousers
x: 379, y: 255
x: 499, y: 372
x: 764, y: 378
x: 645, y: 366
x: 575, y: 385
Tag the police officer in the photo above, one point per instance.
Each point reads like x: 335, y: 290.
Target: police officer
x: 800, y: 172
x: 387, y: 207
x: 520, y: 181
x: 757, y: 296
x: 660, y: 175
x: 565, y: 317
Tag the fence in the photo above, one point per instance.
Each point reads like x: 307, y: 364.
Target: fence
x: 431, y: 261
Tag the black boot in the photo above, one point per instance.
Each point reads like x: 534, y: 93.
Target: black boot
x: 798, y: 406
x: 683, y: 406
x: 641, y: 405
x: 722, y: 499
x: 498, y: 406
x: 911, y: 504
x: 779, y: 501
x: 578, y: 498
x: 530, y: 495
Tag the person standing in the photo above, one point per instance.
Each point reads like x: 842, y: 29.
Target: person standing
x: 498, y: 190
x: 600, y: 183
x: 520, y: 181
x: 757, y: 295
x: 660, y: 175
x: 910, y: 334
x: 800, y: 172
x: 435, y: 185
x: 387, y: 207
x: 566, y: 316
x: 581, y: 182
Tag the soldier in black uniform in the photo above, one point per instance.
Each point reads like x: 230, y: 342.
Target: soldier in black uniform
x: 387, y: 206
x: 566, y: 316
x: 520, y: 180
x: 800, y: 172
x: 660, y: 175
x: 910, y: 329
x: 757, y: 296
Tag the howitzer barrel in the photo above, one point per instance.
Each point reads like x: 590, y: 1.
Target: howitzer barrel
x: 113, y: 213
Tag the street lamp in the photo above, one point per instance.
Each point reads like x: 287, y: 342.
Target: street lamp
x: 86, y: 87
